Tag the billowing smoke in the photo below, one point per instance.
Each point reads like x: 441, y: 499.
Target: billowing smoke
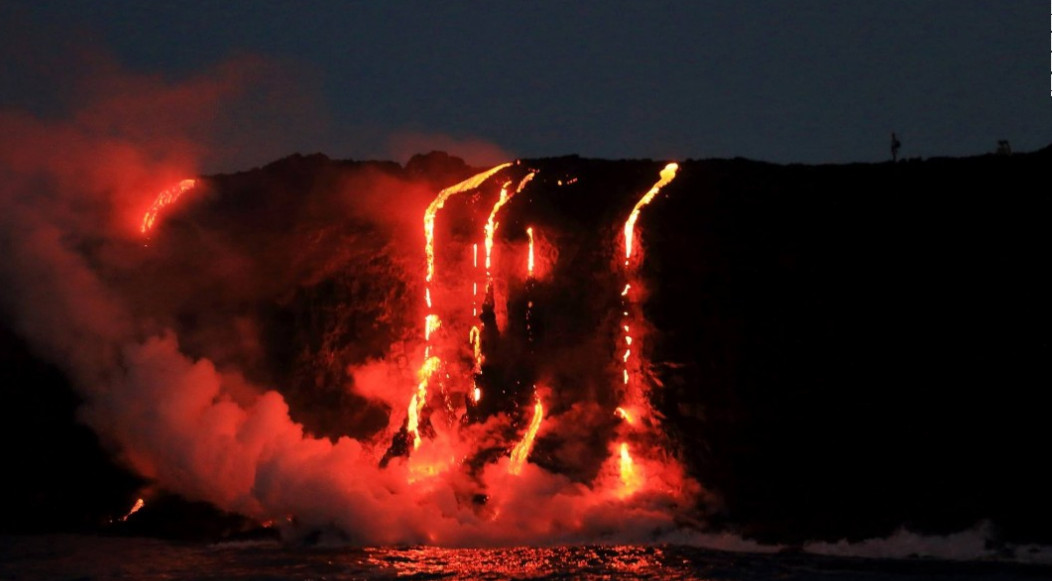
x: 199, y: 346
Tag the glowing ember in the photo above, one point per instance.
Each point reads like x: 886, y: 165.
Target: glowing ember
x: 667, y: 176
x: 163, y: 200
x: 522, y: 450
x: 139, y: 503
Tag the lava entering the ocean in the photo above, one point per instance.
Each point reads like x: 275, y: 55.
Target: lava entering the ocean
x: 462, y: 456
x: 522, y: 450
x: 484, y: 336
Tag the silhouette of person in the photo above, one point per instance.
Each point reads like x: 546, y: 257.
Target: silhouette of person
x: 895, y: 145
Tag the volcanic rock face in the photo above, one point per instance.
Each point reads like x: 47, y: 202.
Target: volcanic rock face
x: 829, y: 351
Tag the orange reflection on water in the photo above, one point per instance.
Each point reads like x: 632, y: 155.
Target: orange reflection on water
x: 587, y: 562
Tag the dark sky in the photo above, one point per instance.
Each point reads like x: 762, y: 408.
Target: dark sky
x: 782, y: 81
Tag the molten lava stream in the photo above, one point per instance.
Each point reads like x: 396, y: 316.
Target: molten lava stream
x: 432, y: 211
x: 521, y: 452
x: 432, y: 362
x: 492, y: 224
x: 530, y: 281
x: 475, y: 340
x: 633, y: 392
x: 529, y: 260
x: 164, y: 199
x: 489, y: 231
x: 139, y: 503
x: 667, y: 175
x: 419, y: 399
x: 631, y: 477
x: 635, y: 401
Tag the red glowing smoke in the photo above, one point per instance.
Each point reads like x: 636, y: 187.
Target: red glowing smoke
x: 185, y: 406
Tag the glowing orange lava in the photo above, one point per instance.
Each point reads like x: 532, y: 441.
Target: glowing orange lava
x: 163, y: 200
x: 489, y: 231
x: 475, y: 340
x: 431, y: 324
x: 521, y: 452
x: 529, y: 262
x: 524, y: 181
x: 419, y: 399
x: 667, y: 175
x: 139, y: 503
x: 631, y: 478
x: 625, y: 415
x: 429, y: 215
x: 491, y: 225
x: 431, y: 320
x: 474, y: 284
x: 474, y: 337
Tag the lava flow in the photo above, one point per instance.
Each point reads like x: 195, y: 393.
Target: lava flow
x: 631, y: 479
x: 164, y: 199
x: 635, y: 396
x: 419, y: 399
x: 139, y: 503
x: 432, y: 210
x: 489, y: 230
x: 667, y: 175
x: 522, y: 450
x: 431, y: 320
x: 529, y: 262
x: 492, y: 224
x: 466, y: 460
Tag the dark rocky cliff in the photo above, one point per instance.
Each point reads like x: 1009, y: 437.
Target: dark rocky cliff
x: 841, y: 350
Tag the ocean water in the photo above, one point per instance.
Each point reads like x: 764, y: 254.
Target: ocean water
x: 72, y: 557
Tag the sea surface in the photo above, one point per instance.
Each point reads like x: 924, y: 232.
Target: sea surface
x: 73, y: 557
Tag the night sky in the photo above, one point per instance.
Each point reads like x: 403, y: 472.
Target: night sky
x: 799, y: 81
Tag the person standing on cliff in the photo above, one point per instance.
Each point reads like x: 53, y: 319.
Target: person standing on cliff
x: 895, y: 145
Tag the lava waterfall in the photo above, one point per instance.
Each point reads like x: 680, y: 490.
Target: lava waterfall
x: 555, y: 350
